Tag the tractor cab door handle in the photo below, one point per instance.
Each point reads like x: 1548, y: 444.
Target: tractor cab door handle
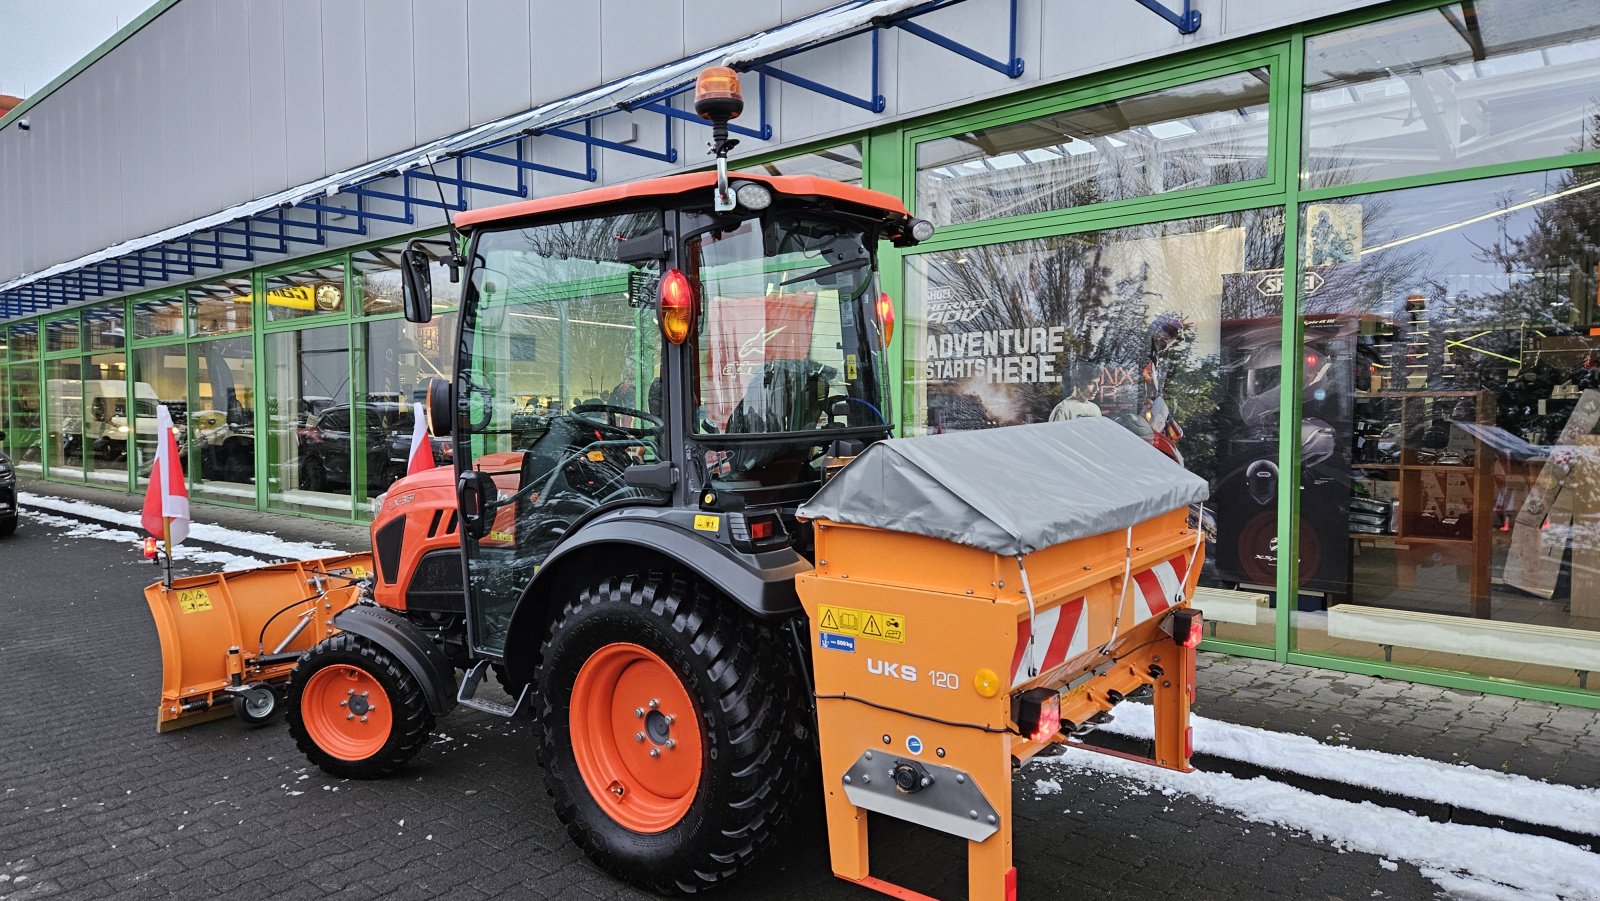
x: 473, y: 492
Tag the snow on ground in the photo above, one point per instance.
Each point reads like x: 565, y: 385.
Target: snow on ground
x: 1499, y: 794
x: 77, y: 528
x: 254, y: 542
x: 1467, y: 861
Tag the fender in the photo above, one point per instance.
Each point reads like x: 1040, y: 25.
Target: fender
x: 411, y: 647
x: 638, y: 538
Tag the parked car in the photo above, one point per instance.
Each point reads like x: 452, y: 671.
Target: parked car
x: 8, y: 491
x: 327, y: 452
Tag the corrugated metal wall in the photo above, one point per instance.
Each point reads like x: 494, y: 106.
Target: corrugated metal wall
x: 220, y: 101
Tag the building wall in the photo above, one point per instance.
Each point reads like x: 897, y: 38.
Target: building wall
x: 215, y: 102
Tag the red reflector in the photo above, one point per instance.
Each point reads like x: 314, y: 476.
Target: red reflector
x: 760, y: 530
x: 1011, y: 884
x: 1192, y: 640
x: 1188, y: 743
x: 149, y: 548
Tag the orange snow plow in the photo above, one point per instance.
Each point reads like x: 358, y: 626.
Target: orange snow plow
x: 954, y: 638
x: 228, y: 640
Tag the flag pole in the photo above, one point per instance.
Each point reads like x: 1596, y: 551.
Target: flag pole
x: 166, y: 535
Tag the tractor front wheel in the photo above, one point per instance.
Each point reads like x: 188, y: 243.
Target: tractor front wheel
x: 672, y: 732
x: 355, y: 711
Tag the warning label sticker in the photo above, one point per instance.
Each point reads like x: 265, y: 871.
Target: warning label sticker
x: 865, y: 623
x: 194, y: 600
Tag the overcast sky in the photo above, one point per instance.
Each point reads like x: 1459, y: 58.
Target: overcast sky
x: 40, y: 39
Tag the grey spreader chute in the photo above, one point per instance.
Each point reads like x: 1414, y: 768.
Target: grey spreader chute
x: 1011, y: 490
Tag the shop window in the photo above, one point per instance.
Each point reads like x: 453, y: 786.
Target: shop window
x: 400, y: 358
x: 311, y: 456
x: 841, y: 164
x: 219, y: 438
x: 1171, y: 329
x: 107, y: 423
x: 102, y: 328
x: 1197, y: 135
x: 221, y: 308
x: 23, y: 418
x: 64, y: 424
x: 376, y: 278
x: 1452, y: 373
x: 161, y: 318
x: 311, y: 292
x: 64, y: 333
x: 160, y: 377
x: 24, y: 341
x: 1467, y: 84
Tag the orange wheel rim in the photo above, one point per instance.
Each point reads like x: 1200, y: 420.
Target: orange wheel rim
x: 346, y: 712
x: 636, y: 737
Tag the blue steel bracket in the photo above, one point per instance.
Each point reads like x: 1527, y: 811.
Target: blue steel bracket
x: 1011, y: 67
x: 669, y: 155
x: 1187, y: 22
x: 663, y: 104
x: 524, y: 165
x: 874, y: 102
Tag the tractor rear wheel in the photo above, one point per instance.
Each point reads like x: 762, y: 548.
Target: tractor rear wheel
x: 354, y: 711
x: 673, y: 735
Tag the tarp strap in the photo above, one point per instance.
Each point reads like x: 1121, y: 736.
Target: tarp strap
x: 1127, y: 576
x: 1199, y: 537
x: 1033, y: 614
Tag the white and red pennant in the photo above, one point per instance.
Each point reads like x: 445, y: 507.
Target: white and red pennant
x: 1062, y: 632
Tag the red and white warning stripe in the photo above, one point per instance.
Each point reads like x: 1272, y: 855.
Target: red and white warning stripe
x: 1159, y: 587
x: 1062, y: 631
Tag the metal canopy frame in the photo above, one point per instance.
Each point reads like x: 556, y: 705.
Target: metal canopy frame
x: 1187, y: 22
x: 393, y: 196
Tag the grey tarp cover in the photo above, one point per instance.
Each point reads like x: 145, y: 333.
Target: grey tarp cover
x: 1010, y: 490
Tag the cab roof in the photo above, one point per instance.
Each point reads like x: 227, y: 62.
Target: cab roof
x: 671, y: 185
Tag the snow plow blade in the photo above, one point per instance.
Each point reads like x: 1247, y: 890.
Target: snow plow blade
x: 233, y: 636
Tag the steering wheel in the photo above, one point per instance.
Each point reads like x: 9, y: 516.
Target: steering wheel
x: 832, y: 398
x: 612, y: 411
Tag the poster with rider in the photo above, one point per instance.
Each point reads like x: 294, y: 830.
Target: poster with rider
x: 745, y: 333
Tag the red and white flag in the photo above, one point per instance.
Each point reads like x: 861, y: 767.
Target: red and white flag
x: 166, y: 502
x: 421, y: 459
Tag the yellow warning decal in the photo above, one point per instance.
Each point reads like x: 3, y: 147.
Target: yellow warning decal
x: 359, y: 572
x: 865, y: 623
x: 194, y: 600
x: 850, y: 370
x: 707, y: 523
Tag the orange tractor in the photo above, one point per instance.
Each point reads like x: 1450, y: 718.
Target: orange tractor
x: 679, y: 533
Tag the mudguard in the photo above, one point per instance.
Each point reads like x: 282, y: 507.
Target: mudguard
x: 411, y: 647
x: 761, y: 583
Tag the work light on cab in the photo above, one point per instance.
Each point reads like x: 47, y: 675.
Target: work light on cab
x: 677, y: 306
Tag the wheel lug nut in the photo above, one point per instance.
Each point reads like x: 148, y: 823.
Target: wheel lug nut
x: 654, y: 703
x: 363, y: 694
x: 344, y: 703
x: 351, y: 692
x: 638, y: 711
x: 638, y: 736
x: 655, y: 752
x: 671, y: 719
x: 671, y: 744
x: 349, y: 716
x: 363, y: 719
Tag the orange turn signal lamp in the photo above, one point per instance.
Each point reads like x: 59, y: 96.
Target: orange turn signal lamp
x: 676, y: 307
x: 884, y: 309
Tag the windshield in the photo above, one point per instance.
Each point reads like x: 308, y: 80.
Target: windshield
x: 788, y: 339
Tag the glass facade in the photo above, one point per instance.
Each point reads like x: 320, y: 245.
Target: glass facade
x: 1358, y: 291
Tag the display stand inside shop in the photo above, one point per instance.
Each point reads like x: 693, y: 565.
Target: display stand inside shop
x: 1423, y: 487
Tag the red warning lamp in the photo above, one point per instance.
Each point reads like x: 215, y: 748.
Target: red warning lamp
x: 885, y: 310
x: 1184, y: 625
x: 149, y: 548
x: 676, y: 306
x: 1039, y: 714
x: 717, y: 95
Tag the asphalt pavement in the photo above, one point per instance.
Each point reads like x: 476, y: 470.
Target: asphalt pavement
x: 94, y: 803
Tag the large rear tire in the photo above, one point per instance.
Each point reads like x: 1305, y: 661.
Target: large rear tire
x: 661, y: 663
x: 354, y: 711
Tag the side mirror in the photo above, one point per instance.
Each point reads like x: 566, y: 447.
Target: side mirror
x: 476, y: 498
x: 440, y: 407
x: 417, y: 285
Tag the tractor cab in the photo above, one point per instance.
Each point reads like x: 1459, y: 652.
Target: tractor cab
x: 687, y: 352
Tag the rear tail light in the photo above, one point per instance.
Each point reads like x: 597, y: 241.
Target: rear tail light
x: 1184, y: 626
x: 761, y: 530
x: 885, y: 311
x: 149, y: 548
x: 677, y: 306
x: 1039, y: 714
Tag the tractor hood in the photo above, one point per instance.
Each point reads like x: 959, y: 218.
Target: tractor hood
x: 1010, y: 490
